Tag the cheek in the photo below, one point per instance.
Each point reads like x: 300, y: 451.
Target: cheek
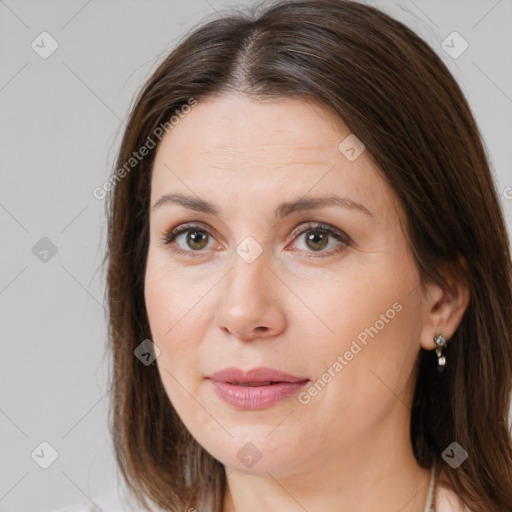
x: 176, y: 360
x: 348, y: 307
x: 167, y: 315
x: 170, y: 298
x: 177, y: 331
x: 369, y: 325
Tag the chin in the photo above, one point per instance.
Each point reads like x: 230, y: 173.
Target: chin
x: 254, y: 452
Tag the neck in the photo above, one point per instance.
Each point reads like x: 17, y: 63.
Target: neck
x: 378, y: 473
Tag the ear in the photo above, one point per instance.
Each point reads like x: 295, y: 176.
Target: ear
x: 444, y: 306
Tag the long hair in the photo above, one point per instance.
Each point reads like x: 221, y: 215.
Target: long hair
x: 397, y: 96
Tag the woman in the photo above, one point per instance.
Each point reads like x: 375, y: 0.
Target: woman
x: 309, y: 276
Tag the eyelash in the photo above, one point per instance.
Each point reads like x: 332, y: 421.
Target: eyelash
x: 169, y: 237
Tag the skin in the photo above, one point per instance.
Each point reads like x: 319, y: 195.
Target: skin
x: 348, y: 449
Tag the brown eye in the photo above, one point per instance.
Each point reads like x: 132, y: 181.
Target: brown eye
x: 317, y: 240
x: 317, y: 237
x: 196, y: 239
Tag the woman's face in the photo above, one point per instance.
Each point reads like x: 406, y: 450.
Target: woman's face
x: 253, y: 283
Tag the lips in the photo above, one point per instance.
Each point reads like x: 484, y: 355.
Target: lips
x: 253, y: 384
x: 254, y: 377
x: 258, y: 388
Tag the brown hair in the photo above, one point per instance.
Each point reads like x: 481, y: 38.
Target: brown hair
x: 397, y: 96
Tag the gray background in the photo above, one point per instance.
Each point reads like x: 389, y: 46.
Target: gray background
x: 61, y: 121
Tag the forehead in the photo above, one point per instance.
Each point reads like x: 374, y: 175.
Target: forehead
x: 234, y: 125
x: 236, y: 146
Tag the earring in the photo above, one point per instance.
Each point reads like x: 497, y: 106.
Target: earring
x: 440, y: 342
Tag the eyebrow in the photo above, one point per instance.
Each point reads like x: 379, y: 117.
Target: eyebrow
x: 284, y: 209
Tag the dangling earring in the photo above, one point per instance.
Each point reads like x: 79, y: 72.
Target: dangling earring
x: 440, y: 342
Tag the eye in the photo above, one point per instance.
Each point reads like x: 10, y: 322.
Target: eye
x: 196, y: 238
x: 189, y: 239
x: 317, y: 238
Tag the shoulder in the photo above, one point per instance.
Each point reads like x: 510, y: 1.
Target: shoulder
x: 112, y: 501
x: 448, y: 501
x: 84, y: 508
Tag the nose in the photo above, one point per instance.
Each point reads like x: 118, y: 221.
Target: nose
x: 251, y: 305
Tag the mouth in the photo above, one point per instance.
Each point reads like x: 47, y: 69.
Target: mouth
x: 259, y: 388
x: 254, y: 384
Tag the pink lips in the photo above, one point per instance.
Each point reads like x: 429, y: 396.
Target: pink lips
x: 255, y: 389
